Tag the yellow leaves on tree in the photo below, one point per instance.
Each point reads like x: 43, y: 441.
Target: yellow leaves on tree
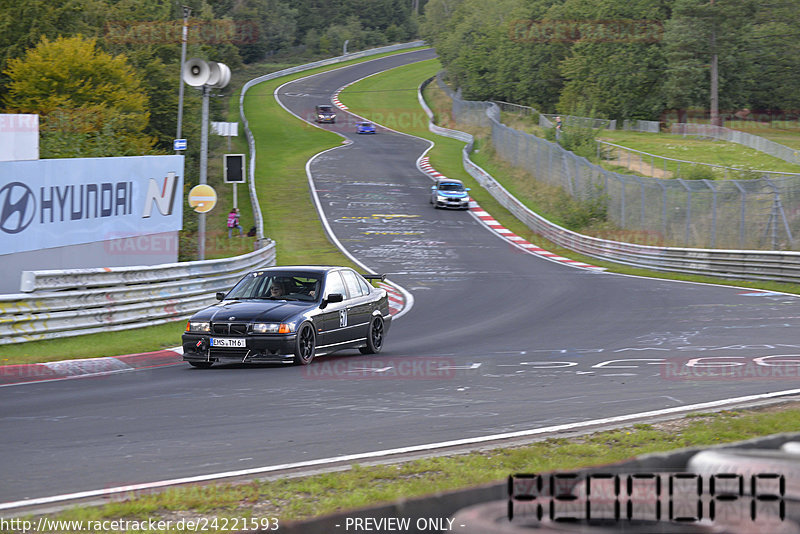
x: 83, y: 95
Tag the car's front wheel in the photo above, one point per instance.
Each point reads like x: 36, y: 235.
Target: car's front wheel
x: 374, y: 337
x: 305, y: 344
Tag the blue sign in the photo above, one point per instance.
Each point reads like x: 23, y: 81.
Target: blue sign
x: 179, y: 144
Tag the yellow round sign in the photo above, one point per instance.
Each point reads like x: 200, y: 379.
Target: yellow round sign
x: 202, y: 198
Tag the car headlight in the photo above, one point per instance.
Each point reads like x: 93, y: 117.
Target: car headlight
x: 265, y: 328
x: 198, y: 326
x: 441, y: 198
x: 273, y: 328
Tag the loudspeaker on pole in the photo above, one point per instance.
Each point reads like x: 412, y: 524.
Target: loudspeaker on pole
x: 197, y: 72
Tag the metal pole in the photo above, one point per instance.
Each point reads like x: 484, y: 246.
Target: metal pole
x: 713, y: 213
x: 186, y: 12
x: 742, y: 216
x: 201, y: 224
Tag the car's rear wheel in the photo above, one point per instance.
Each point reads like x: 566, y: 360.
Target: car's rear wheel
x: 374, y: 337
x: 201, y: 365
x: 305, y: 344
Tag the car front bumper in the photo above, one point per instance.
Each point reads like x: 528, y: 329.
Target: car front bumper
x: 453, y: 203
x: 273, y: 348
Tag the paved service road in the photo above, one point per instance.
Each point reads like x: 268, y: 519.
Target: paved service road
x: 497, y: 341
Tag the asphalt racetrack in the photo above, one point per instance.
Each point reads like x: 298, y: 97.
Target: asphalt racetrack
x: 497, y: 341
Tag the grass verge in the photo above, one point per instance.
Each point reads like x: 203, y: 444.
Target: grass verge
x: 364, y: 485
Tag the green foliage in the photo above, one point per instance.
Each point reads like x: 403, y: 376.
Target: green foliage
x: 148, y: 34
x: 580, y: 214
x: 626, y: 60
x: 698, y: 172
x: 580, y: 140
x: 91, y: 103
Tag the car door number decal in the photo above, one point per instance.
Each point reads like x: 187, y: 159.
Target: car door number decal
x: 343, y: 318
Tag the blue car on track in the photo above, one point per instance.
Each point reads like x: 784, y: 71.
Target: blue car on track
x: 365, y: 127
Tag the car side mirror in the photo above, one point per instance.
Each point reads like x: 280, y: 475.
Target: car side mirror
x: 332, y: 298
x: 220, y: 295
x: 433, y: 188
x: 467, y: 189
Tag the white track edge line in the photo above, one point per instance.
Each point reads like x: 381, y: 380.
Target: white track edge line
x: 389, y: 452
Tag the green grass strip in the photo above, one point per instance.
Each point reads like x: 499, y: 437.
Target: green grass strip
x: 360, y: 486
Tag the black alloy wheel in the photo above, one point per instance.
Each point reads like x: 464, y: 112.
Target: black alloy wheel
x: 374, y: 337
x: 305, y: 344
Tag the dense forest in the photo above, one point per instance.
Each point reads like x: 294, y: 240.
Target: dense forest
x: 636, y: 59
x: 103, y: 74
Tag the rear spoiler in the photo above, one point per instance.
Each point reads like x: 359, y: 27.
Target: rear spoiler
x: 380, y: 277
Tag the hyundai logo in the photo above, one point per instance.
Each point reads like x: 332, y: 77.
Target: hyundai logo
x: 17, y: 207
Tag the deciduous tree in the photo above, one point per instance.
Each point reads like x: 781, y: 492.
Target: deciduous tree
x: 83, y: 92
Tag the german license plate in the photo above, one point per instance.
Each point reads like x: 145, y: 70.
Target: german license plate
x: 228, y: 342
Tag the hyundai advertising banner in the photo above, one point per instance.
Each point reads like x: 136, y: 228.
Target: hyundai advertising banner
x: 61, y: 202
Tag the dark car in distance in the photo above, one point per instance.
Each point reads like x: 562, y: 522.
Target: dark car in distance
x: 325, y: 113
x: 289, y: 315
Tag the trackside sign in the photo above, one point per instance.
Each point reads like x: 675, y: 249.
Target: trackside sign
x: 61, y: 202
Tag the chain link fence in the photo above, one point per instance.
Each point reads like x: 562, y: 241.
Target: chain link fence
x: 742, y: 138
x: 758, y: 214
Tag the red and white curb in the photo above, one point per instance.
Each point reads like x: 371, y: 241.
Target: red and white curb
x: 425, y: 165
x: 66, y: 369
x: 490, y: 222
x: 337, y: 102
x: 397, y: 300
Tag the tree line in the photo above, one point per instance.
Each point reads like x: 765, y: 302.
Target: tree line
x: 103, y: 74
x: 638, y: 59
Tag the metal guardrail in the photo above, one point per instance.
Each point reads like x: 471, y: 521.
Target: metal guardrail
x: 672, y: 166
x: 736, y: 264
x: 743, y: 138
x: 63, y: 303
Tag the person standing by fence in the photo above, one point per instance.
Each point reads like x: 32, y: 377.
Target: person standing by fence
x: 233, y: 222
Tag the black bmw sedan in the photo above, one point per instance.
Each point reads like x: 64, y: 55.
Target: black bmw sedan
x: 289, y: 314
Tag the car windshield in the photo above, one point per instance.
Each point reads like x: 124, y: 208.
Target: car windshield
x: 450, y: 186
x: 324, y: 109
x: 277, y: 285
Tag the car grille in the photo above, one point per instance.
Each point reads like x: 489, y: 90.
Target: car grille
x: 229, y: 329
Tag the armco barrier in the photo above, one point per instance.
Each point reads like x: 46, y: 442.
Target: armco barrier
x: 84, y: 301
x: 737, y: 264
